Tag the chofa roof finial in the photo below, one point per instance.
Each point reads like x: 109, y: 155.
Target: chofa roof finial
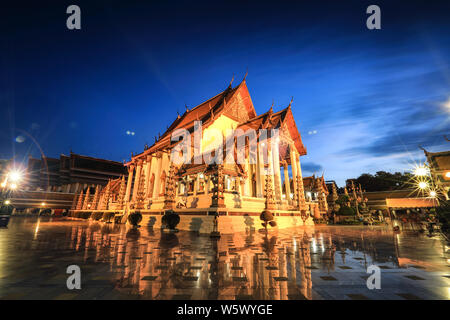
x: 290, y: 103
x: 232, y: 79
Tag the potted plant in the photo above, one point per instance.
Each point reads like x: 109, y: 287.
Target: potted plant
x: 134, y: 218
x: 267, y: 218
x: 170, y: 220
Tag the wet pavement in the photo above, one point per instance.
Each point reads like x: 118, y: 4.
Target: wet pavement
x: 120, y: 262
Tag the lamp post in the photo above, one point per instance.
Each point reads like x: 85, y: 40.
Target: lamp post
x: 9, y: 184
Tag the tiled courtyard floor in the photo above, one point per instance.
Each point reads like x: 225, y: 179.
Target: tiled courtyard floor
x: 119, y: 262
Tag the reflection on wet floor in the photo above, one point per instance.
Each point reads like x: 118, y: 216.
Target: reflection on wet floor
x: 119, y: 262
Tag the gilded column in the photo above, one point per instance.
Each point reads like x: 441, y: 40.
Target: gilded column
x: 277, y: 172
x: 259, y: 172
x: 301, y: 193
x: 157, y: 176
x: 294, y: 174
x: 149, y: 177
x: 129, y: 182
x: 287, y: 184
x: 136, y: 179
x: 147, y: 173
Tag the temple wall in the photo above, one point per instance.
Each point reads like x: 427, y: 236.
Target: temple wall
x: 226, y: 224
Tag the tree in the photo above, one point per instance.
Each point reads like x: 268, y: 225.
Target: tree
x: 384, y: 181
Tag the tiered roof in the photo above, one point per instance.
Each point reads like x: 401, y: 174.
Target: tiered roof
x: 236, y: 104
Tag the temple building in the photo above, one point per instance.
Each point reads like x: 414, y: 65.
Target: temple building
x: 316, y: 193
x: 439, y: 165
x: 227, y: 196
x: 70, y: 173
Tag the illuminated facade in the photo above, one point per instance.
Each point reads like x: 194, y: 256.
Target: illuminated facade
x: 199, y: 190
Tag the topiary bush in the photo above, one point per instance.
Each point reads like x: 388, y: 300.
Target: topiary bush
x: 170, y: 220
x: 267, y: 217
x: 346, y: 211
x: 134, y: 218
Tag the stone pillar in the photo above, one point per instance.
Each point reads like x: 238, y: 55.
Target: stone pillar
x: 287, y: 184
x: 277, y: 172
x: 294, y: 173
x: 129, y: 183
x: 148, y: 167
x: 136, y: 179
x: 157, y: 176
x: 247, y: 182
x: 260, y: 172
x: 151, y: 171
x: 301, y: 192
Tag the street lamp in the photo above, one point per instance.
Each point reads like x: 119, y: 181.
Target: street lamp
x: 433, y: 194
x: 423, y: 185
x: 15, y: 176
x: 421, y: 171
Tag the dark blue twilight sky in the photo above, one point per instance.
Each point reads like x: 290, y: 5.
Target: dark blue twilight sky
x: 363, y: 100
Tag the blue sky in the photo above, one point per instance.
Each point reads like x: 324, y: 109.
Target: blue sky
x: 363, y: 100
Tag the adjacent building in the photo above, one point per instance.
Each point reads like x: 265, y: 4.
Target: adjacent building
x: 439, y: 165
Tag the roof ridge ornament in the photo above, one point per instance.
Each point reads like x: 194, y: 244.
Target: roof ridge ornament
x: 187, y: 109
x: 246, y: 74
x: 290, y: 103
x: 232, y: 79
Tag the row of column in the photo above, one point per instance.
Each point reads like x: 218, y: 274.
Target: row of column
x: 154, y: 169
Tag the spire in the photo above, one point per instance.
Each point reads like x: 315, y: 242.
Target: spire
x: 187, y: 109
x: 290, y: 103
x: 232, y: 79
x: 245, y: 76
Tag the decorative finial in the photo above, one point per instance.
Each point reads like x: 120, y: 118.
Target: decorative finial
x: 246, y: 74
x: 187, y: 109
x: 232, y: 79
x: 290, y: 103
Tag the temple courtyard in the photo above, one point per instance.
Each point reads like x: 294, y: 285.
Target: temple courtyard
x: 310, y: 262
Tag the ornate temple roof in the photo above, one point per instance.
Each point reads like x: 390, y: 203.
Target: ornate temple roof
x: 312, y: 183
x: 236, y: 104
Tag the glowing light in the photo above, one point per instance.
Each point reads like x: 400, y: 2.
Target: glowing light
x: 43, y: 204
x: 15, y: 176
x: 420, y: 171
x: 292, y: 196
x: 423, y: 185
x: 13, y: 186
x: 3, y: 184
x: 447, y: 174
x: 432, y: 193
x: 7, y: 202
